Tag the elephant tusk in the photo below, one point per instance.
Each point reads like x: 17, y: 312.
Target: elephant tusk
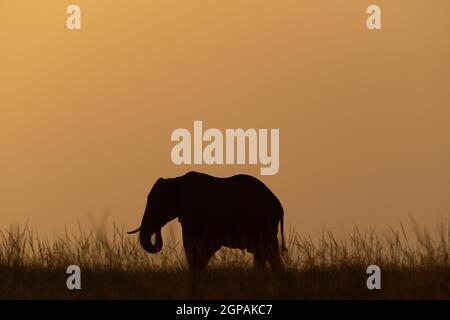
x: 134, y: 231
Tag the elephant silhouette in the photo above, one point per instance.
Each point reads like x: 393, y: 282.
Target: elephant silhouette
x: 236, y: 212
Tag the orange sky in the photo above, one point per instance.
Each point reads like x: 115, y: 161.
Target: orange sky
x: 86, y: 116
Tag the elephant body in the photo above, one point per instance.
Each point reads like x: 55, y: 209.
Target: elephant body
x: 235, y: 212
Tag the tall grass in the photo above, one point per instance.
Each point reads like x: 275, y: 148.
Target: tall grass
x: 117, y: 251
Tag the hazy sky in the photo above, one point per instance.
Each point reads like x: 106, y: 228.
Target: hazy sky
x: 86, y: 116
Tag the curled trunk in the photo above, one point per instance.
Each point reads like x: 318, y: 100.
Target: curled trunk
x: 146, y: 241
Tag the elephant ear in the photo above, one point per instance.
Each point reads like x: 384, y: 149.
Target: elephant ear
x: 156, y: 187
x: 169, y: 194
x: 159, y: 182
x: 177, y: 200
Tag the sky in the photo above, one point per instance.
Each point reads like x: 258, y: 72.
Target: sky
x: 86, y: 115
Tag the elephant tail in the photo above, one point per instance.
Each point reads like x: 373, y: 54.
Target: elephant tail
x: 283, y: 246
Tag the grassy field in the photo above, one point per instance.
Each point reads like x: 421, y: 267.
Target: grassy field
x: 116, y: 267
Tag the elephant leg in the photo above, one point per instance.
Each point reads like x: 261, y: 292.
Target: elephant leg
x: 274, y: 255
x: 191, y: 248
x: 198, y: 256
x: 192, y: 256
x: 259, y: 260
x: 275, y: 262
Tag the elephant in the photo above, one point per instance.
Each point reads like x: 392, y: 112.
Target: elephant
x: 238, y: 211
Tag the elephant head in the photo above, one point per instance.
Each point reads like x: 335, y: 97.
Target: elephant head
x: 162, y: 206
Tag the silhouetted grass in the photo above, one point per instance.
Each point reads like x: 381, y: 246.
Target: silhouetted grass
x: 325, y: 268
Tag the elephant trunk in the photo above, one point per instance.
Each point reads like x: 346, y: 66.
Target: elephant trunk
x: 146, y: 241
